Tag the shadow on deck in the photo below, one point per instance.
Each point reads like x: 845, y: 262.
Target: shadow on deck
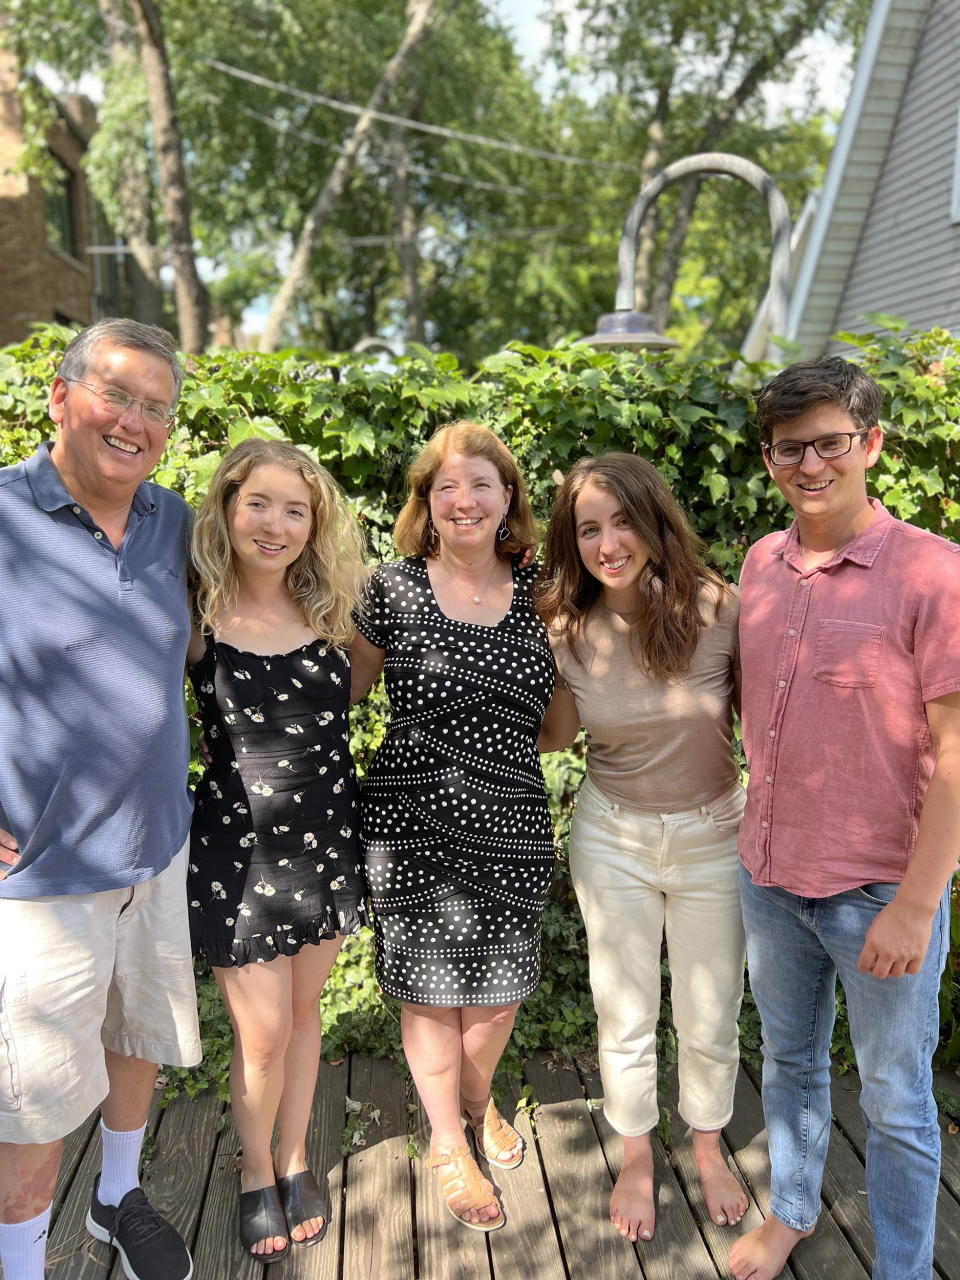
x: 389, y: 1222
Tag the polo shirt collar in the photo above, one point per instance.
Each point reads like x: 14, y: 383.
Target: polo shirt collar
x: 863, y: 550
x: 50, y: 493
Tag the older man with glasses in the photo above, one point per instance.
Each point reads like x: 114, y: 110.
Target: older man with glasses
x: 96, y: 982
x: 850, y: 650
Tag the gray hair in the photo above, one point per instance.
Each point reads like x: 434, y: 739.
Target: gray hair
x: 121, y: 333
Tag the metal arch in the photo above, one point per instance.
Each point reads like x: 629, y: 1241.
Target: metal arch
x: 735, y: 167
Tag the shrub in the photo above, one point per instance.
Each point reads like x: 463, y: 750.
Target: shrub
x: 365, y: 424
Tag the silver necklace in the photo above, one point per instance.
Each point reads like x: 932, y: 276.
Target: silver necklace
x: 477, y: 599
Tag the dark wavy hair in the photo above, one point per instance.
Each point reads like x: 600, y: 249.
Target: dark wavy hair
x: 674, y: 583
x: 827, y: 380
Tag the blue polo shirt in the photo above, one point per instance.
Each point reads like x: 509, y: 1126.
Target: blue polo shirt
x: 93, y: 730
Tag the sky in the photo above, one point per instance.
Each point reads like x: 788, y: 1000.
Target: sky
x: 828, y: 62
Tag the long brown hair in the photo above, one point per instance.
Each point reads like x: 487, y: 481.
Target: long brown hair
x: 412, y: 532
x: 673, y: 583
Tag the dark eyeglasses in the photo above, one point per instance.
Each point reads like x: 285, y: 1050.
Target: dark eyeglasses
x: 786, y: 453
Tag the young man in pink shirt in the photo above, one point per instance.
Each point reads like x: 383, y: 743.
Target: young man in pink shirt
x: 850, y: 648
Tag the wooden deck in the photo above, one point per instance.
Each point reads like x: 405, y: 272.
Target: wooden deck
x: 389, y: 1224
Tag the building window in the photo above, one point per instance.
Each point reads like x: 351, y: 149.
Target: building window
x: 955, y: 199
x: 58, y: 196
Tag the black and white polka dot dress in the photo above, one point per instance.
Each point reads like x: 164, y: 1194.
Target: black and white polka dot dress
x: 275, y: 858
x: 454, y: 818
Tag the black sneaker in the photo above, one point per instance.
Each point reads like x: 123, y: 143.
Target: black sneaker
x: 149, y: 1247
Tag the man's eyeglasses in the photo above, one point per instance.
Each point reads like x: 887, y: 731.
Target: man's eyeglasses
x: 786, y: 453
x: 118, y: 401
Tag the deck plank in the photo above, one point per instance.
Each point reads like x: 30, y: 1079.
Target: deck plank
x: 74, y: 1147
x: 324, y: 1135
x: 443, y: 1248
x: 718, y: 1240
x: 845, y: 1095
x: 556, y: 1202
x: 528, y: 1245
x: 217, y: 1250
x: 578, y: 1178
x: 677, y: 1248
x: 826, y: 1255
x: 377, y: 1237
x: 72, y: 1253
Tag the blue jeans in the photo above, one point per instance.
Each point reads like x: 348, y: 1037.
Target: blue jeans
x: 796, y: 948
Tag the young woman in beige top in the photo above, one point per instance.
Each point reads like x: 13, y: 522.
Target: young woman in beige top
x: 645, y: 640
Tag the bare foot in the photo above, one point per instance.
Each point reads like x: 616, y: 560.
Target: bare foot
x: 761, y: 1253
x: 726, y: 1200
x: 632, y: 1209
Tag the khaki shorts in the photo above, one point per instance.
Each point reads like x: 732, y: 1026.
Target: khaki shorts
x: 83, y: 972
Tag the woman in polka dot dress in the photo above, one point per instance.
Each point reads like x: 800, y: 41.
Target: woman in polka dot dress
x: 454, y: 817
x: 275, y: 876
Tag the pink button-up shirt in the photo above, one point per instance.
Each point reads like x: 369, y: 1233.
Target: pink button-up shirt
x: 838, y: 662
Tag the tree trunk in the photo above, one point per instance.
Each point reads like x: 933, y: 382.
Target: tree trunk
x: 405, y: 222
x: 191, y: 296
x: 134, y: 196
x: 419, y: 13
x: 652, y: 159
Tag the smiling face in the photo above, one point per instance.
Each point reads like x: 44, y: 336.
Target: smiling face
x: 467, y: 502
x: 269, y: 519
x: 610, y: 548
x: 827, y: 494
x: 103, y: 455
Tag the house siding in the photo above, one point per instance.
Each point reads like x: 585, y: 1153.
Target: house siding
x: 908, y: 257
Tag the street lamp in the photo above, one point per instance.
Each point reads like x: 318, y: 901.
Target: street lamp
x: 625, y: 327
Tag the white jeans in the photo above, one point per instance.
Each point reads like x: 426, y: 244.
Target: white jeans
x: 636, y: 874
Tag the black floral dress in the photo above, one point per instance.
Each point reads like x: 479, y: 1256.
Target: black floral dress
x: 275, y: 858
x: 455, y: 824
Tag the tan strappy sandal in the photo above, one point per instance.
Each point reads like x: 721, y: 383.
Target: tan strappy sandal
x: 464, y: 1187
x: 495, y: 1138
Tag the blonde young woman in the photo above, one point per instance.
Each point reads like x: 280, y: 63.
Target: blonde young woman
x: 645, y: 639
x: 456, y: 829
x: 275, y: 877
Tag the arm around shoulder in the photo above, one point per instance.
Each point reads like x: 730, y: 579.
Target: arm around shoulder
x: 561, y: 722
x: 366, y: 664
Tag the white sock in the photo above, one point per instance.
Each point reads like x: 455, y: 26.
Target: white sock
x: 120, y: 1170
x: 23, y: 1246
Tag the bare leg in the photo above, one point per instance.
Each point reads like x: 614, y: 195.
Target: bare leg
x: 761, y: 1253
x: 259, y: 1001
x: 433, y: 1044
x: 28, y: 1176
x: 632, y: 1209
x: 132, y: 1082
x: 485, y: 1032
x: 311, y: 968
x: 726, y: 1200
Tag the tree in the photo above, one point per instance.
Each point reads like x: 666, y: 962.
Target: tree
x: 690, y: 73
x: 419, y: 13
x: 189, y: 291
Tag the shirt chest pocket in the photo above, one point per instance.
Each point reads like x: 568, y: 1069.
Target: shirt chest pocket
x: 847, y: 653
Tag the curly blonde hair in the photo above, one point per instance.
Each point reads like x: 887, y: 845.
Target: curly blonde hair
x: 413, y: 531
x: 326, y: 578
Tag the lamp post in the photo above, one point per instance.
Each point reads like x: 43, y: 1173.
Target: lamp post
x: 634, y: 330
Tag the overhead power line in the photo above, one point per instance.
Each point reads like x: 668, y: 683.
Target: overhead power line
x: 429, y: 237
x: 282, y: 126
x: 440, y: 131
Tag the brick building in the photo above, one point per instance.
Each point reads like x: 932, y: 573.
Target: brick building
x: 46, y: 228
